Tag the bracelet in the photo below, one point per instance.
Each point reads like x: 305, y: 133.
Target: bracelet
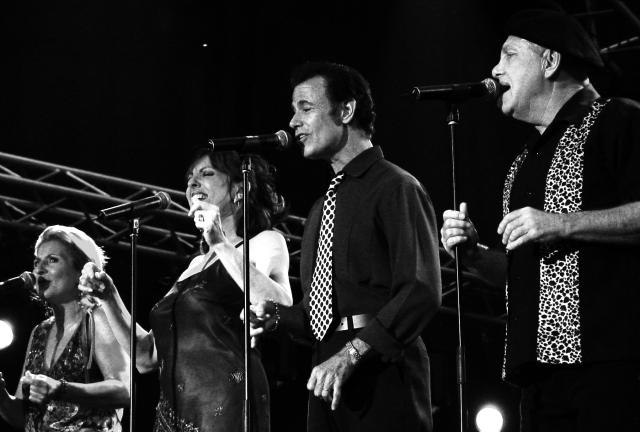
x: 276, y: 313
x: 62, y: 389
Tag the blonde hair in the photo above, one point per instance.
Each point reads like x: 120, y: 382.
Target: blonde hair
x: 83, y: 248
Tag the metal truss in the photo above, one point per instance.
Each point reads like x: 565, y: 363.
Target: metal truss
x: 620, y: 8
x: 36, y: 194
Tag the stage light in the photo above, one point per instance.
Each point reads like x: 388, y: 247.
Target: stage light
x: 6, y: 334
x: 489, y: 419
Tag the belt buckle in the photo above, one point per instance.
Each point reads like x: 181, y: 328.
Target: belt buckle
x: 350, y: 325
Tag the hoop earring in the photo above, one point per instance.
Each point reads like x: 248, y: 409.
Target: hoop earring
x: 237, y: 199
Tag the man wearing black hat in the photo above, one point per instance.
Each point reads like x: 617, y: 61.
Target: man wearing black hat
x: 571, y: 228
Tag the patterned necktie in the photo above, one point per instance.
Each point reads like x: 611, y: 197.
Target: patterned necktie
x: 321, y: 285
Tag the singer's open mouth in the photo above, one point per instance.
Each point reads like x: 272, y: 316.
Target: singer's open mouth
x: 42, y: 284
x: 199, y: 196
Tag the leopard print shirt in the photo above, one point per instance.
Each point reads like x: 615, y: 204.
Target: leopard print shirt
x: 558, y: 334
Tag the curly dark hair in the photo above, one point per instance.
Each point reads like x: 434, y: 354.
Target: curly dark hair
x: 266, y: 205
x: 343, y: 84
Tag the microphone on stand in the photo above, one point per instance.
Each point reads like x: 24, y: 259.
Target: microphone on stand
x: 456, y: 92
x: 26, y: 280
x: 158, y: 201
x: 278, y: 141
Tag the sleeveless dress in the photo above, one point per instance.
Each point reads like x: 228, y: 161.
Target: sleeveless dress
x: 75, y: 364
x: 199, y: 340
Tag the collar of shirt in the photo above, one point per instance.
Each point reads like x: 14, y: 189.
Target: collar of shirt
x: 361, y: 163
x: 571, y: 112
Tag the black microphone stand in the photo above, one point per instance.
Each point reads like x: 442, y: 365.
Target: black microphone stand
x: 246, y: 187
x: 453, y: 118
x: 135, y: 229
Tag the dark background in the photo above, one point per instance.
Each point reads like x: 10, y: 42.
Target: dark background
x: 128, y: 88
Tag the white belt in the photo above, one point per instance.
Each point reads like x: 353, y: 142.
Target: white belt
x: 353, y: 322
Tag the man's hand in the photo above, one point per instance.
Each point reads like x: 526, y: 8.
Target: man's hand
x: 531, y: 225
x: 458, y: 230
x: 327, y: 379
x: 41, y: 387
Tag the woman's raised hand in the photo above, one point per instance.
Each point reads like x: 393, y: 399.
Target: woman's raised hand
x: 206, y: 217
x: 94, y: 285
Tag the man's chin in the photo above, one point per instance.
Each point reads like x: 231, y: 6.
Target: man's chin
x: 506, y: 109
x: 310, y: 153
x: 320, y: 151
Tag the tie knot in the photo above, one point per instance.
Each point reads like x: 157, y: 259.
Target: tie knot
x: 335, y: 181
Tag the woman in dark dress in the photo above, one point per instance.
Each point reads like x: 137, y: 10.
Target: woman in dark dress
x: 76, y: 374
x: 196, y: 341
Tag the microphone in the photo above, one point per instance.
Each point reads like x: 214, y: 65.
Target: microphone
x: 278, y: 140
x: 26, y: 280
x: 457, y: 92
x: 158, y: 201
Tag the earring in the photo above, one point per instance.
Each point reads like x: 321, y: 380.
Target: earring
x: 237, y: 199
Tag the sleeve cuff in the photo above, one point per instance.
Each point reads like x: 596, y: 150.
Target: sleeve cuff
x: 381, y: 340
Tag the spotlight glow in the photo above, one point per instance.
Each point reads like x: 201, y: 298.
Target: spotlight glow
x: 489, y: 419
x: 6, y: 334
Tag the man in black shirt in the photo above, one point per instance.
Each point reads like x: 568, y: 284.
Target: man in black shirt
x: 369, y: 267
x: 571, y: 227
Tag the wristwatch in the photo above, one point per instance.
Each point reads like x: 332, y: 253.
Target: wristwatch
x: 354, y: 355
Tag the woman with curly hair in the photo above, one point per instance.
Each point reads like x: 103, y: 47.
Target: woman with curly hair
x: 196, y: 340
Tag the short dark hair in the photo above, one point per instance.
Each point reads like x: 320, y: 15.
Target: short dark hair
x: 266, y: 206
x: 343, y: 84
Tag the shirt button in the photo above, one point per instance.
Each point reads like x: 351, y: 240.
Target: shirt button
x: 171, y: 327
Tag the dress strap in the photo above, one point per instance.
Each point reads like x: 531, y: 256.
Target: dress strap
x: 208, y: 262
x: 87, y: 341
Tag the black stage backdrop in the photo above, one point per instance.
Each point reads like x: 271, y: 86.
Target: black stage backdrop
x: 128, y: 88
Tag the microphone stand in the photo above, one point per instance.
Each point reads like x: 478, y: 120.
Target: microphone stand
x: 135, y: 229
x: 453, y: 118
x: 246, y: 186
